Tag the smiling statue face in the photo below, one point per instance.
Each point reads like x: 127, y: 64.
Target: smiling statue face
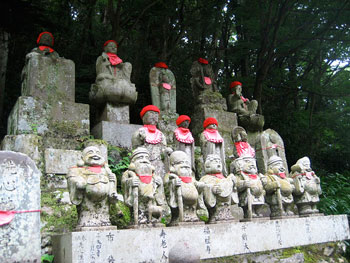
x: 213, y: 164
x: 111, y: 48
x: 180, y: 163
x: 92, y: 156
x: 150, y: 118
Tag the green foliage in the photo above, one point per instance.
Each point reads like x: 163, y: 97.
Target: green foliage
x: 120, y: 215
x: 47, y: 258
x: 118, y: 166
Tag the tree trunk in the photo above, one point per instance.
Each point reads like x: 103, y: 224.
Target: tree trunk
x: 4, y: 37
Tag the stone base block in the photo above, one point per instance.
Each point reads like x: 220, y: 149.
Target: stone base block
x: 63, y: 119
x: 58, y: 161
x: 115, y: 113
x: 210, y: 241
x: 116, y: 134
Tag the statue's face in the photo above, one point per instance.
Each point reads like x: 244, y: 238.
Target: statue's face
x: 45, y: 40
x: 183, y: 168
x: 142, y: 164
x: 150, y: 118
x: 278, y: 167
x: 238, y: 90
x: 244, y: 136
x: 184, y: 124
x: 213, y: 164
x: 111, y: 48
x: 249, y: 166
x: 212, y: 126
x: 306, y: 165
x: 142, y: 158
x: 92, y: 156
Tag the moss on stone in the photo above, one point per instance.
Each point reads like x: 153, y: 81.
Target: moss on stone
x: 120, y: 215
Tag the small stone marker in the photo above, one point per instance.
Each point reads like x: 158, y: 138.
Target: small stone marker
x: 19, y: 209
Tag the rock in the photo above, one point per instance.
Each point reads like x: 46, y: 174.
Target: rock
x: 328, y: 251
x: 296, y: 258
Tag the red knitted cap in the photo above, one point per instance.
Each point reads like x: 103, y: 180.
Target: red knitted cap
x: 203, y: 61
x: 43, y: 33
x: 109, y: 41
x: 182, y: 118
x: 209, y: 121
x: 161, y: 65
x: 234, y: 84
x: 149, y: 108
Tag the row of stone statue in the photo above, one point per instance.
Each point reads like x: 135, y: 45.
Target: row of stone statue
x: 160, y: 181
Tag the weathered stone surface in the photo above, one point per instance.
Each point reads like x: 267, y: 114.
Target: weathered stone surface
x: 20, y: 193
x: 28, y: 144
x: 49, y: 79
x: 35, y: 116
x: 61, y: 143
x: 58, y: 161
x: 211, y: 241
x: 116, y: 134
x: 115, y: 113
x: 167, y: 124
x: 184, y: 252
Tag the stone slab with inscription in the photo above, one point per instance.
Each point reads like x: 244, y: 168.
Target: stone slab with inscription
x: 210, y: 241
x: 20, y: 201
x: 58, y: 161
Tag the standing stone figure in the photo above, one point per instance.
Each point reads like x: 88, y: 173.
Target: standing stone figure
x: 219, y: 190
x: 250, y: 186
x: 184, y: 191
x: 307, y: 187
x: 163, y: 88
x: 241, y: 145
x: 152, y: 139
x: 113, y: 83
x: 279, y: 188
x: 92, y: 188
x: 183, y: 138
x: 212, y: 143
x: 203, y: 77
x: 143, y: 189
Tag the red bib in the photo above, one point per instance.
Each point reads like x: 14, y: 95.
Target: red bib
x: 244, y: 149
x: 153, y: 135
x: 213, y: 135
x: 183, y: 135
x: 114, y: 59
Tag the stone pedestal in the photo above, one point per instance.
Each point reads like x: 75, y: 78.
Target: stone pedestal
x: 20, y: 194
x: 114, y: 113
x: 116, y: 134
x: 209, y: 241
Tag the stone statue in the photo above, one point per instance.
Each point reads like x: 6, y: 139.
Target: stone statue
x: 113, y: 83
x: 184, y: 191
x: 143, y: 189
x: 212, y: 143
x: 219, y: 191
x: 163, y: 88
x: 203, y: 77
x: 152, y: 139
x: 183, y: 138
x: 250, y: 186
x: 245, y: 109
x: 45, y: 43
x: 279, y: 188
x: 92, y: 188
x: 241, y: 145
x: 307, y: 187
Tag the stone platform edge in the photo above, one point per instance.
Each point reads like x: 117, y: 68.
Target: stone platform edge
x: 211, y: 241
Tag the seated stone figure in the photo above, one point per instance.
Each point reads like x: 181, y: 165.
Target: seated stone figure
x: 307, y: 187
x: 92, y: 188
x: 183, y: 138
x: 152, y: 139
x: 143, y: 190
x: 250, y: 186
x: 184, y: 191
x: 241, y: 145
x: 279, y: 188
x: 163, y: 88
x: 219, y: 191
x: 245, y: 109
x: 211, y: 141
x: 113, y: 83
x: 203, y: 77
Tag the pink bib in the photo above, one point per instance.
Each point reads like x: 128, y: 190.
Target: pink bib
x: 213, y: 135
x: 220, y: 176
x: 114, y: 59
x: 186, y: 179
x: 95, y: 169
x: 244, y: 149
x: 153, y: 135
x: 166, y: 86
x: 145, y: 178
x: 207, y: 80
x: 183, y: 135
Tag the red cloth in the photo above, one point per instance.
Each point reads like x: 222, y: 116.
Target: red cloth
x: 282, y: 175
x: 7, y: 216
x: 149, y: 108
x: 203, y: 61
x: 109, y: 41
x: 41, y: 34
x: 145, y: 178
x: 213, y: 135
x: 244, y: 149
x: 207, y: 80
x: 219, y: 175
x: 251, y: 176
x: 166, y: 86
x: 182, y: 118
x: 153, y: 135
x: 186, y: 179
x: 209, y: 121
x: 95, y: 169
x: 42, y: 48
x: 234, y: 84
x: 308, y: 175
x: 243, y: 99
x: 161, y: 65
x: 183, y: 135
x: 114, y: 59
